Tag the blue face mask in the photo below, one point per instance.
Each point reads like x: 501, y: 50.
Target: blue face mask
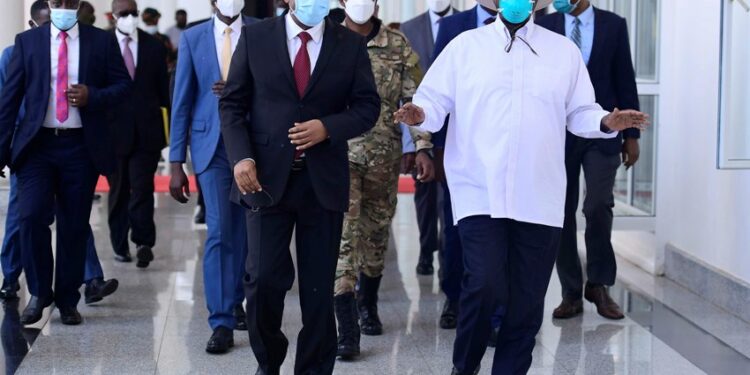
x: 565, y: 6
x: 64, y: 19
x: 516, y: 11
x: 311, y: 12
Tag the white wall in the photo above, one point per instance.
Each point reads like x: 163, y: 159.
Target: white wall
x: 700, y: 209
x: 12, y: 19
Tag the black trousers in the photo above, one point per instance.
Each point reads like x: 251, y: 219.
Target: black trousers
x: 599, y: 170
x: 59, y: 175
x: 131, y: 200
x: 508, y: 263
x: 271, y: 274
x: 426, y: 201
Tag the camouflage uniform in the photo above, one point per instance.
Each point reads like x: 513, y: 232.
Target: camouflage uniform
x: 374, y: 162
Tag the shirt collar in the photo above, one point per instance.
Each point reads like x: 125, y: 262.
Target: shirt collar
x: 381, y: 39
x: 220, y: 27
x: 73, y: 33
x: 293, y: 30
x: 435, y: 18
x: 526, y: 32
x: 121, y: 37
x: 587, y: 17
x: 483, y: 15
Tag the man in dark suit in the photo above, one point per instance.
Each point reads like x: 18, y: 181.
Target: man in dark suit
x: 315, y: 87
x: 603, y: 39
x: 139, y: 137
x: 69, y: 75
x: 452, y: 256
x: 422, y: 31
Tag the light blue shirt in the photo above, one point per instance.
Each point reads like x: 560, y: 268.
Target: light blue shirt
x: 407, y: 145
x: 483, y: 15
x: 587, y: 31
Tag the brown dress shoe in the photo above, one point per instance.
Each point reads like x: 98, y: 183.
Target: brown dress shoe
x: 605, y: 306
x: 568, y: 309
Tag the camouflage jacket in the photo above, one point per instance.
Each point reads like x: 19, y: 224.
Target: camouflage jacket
x: 397, y: 74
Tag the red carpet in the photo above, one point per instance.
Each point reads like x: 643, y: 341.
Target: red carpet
x: 161, y: 184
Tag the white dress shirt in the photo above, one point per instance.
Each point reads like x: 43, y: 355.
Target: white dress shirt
x: 133, y: 44
x: 435, y: 20
x: 505, y: 147
x: 74, y: 54
x: 294, y: 42
x: 220, y: 28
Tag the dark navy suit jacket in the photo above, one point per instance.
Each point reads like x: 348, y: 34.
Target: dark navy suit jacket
x: 101, y: 69
x: 610, y: 68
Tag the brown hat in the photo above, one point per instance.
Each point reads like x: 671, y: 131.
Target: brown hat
x: 492, y: 4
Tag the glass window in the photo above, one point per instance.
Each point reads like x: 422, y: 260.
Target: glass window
x: 646, y: 39
x: 634, y: 188
x: 734, y: 140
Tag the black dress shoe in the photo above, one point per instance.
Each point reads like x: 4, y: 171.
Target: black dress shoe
x: 9, y: 291
x: 424, y: 267
x: 200, y: 217
x: 449, y: 317
x: 35, y: 309
x: 97, y: 289
x: 240, y: 318
x: 145, y: 256
x: 221, y: 341
x: 70, y: 316
x: 456, y: 372
x: 124, y: 258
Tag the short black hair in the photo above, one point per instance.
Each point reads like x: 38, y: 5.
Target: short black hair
x: 37, y: 7
x: 152, y: 12
x: 86, y: 5
x: 181, y: 11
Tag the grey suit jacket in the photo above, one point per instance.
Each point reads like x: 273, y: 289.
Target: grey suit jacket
x: 419, y: 32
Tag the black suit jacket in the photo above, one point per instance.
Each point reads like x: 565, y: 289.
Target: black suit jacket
x: 137, y: 120
x: 260, y: 104
x: 101, y: 69
x: 610, y: 68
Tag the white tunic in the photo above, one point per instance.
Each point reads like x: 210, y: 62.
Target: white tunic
x: 505, y: 147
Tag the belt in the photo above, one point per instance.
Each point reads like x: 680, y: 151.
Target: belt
x: 63, y: 132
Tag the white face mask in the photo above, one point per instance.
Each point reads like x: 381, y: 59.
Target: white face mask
x: 360, y: 11
x: 127, y: 25
x: 151, y: 29
x: 230, y: 8
x: 438, y: 6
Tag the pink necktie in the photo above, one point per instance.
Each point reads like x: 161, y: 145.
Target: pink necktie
x: 61, y: 97
x: 127, y: 55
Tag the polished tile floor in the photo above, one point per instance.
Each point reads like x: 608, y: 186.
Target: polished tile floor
x: 156, y: 322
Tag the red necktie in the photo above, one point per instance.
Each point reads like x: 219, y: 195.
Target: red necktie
x: 302, y: 65
x: 61, y: 98
x: 302, y: 73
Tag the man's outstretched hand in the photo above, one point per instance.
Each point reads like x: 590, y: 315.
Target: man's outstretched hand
x: 410, y: 114
x: 629, y: 119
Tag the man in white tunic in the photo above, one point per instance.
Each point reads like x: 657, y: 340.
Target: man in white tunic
x: 511, y: 89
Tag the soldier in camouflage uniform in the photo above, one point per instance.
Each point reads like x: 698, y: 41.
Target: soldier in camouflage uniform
x: 374, y: 162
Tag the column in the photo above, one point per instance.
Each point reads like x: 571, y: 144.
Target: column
x: 12, y: 20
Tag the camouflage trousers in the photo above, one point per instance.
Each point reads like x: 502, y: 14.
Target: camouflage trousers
x: 364, y: 241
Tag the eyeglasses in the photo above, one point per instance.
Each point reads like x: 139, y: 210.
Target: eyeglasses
x: 126, y: 13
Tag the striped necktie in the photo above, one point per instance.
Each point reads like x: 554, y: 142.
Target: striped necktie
x: 575, y: 36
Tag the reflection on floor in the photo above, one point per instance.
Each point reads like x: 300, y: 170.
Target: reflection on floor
x: 156, y: 322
